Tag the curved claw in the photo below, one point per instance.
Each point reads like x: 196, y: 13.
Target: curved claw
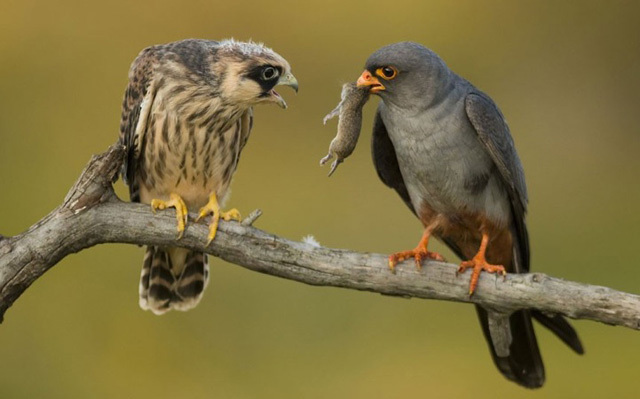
x: 212, y: 207
x: 175, y: 201
x: 479, y: 264
x: 418, y: 254
x: 231, y: 214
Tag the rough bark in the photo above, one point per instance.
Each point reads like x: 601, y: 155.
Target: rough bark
x: 92, y: 214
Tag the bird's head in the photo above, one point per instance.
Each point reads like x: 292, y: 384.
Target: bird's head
x: 249, y: 73
x: 404, y: 72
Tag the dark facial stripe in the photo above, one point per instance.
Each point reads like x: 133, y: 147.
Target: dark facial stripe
x: 255, y: 73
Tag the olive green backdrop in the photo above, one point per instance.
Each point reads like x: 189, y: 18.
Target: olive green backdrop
x: 567, y: 77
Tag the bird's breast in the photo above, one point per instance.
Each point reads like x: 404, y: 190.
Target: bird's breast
x: 444, y: 165
x: 190, y: 149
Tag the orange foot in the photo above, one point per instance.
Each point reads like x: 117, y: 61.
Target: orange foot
x: 419, y: 254
x: 478, y: 264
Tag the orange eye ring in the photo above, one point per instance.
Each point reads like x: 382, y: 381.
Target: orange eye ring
x: 387, y: 72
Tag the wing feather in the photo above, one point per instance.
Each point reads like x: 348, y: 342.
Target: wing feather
x: 138, y: 99
x: 385, y: 160
x: 493, y: 132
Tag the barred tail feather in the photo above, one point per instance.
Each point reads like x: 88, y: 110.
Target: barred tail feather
x: 192, y: 282
x: 172, y: 278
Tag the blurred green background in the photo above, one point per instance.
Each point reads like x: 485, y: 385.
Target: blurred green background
x: 566, y: 75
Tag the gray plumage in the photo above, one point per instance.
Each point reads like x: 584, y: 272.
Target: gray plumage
x: 349, y: 112
x: 186, y: 116
x: 445, y: 147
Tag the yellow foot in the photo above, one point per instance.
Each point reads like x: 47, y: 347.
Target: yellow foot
x: 213, y: 208
x: 181, y: 210
x: 479, y: 264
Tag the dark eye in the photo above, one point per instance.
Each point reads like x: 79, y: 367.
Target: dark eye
x: 387, y: 72
x: 269, y: 73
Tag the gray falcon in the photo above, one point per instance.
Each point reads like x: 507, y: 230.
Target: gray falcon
x: 445, y: 148
x: 186, y: 116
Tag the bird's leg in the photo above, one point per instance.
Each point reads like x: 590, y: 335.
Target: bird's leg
x: 479, y: 263
x: 214, y: 208
x: 419, y: 253
x: 181, y: 210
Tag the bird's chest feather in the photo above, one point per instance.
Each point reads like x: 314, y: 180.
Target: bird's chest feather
x: 444, y: 165
x: 190, y: 148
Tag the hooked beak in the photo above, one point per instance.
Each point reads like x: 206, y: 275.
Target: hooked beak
x: 366, y: 79
x: 285, y: 80
x: 288, y: 80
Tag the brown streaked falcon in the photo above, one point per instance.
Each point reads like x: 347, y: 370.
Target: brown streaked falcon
x: 186, y: 116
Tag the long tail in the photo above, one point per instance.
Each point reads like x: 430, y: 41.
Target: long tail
x: 523, y: 364
x: 172, y: 278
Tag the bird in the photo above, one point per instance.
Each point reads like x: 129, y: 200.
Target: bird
x: 445, y: 148
x: 186, y: 116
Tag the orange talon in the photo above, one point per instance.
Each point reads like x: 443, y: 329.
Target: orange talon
x: 419, y: 254
x: 478, y: 264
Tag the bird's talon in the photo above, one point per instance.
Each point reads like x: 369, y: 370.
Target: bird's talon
x: 419, y: 254
x: 203, y: 213
x: 232, y: 214
x: 212, y: 207
x: 479, y: 264
x: 392, y: 264
x: 210, y: 237
x: 181, y: 210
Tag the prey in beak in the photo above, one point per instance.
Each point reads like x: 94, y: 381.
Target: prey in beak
x: 367, y: 79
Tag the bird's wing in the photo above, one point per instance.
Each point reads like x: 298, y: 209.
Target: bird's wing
x: 386, y: 161
x: 136, y: 106
x: 493, y: 132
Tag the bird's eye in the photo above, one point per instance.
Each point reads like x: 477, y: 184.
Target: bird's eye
x: 387, y: 72
x: 269, y: 73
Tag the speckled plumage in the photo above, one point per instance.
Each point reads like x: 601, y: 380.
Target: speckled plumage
x: 187, y: 114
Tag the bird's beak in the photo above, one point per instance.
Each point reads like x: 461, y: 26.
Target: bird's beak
x: 285, y: 80
x: 366, y: 79
x: 288, y: 80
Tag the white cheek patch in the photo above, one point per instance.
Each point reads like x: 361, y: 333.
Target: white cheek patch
x: 247, y: 91
x: 238, y: 88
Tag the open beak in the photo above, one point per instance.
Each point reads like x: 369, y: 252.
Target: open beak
x: 285, y: 80
x: 367, y: 79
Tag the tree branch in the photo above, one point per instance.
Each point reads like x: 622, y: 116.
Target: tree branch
x: 92, y: 214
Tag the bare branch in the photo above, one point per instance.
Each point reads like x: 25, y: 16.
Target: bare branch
x: 92, y: 214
